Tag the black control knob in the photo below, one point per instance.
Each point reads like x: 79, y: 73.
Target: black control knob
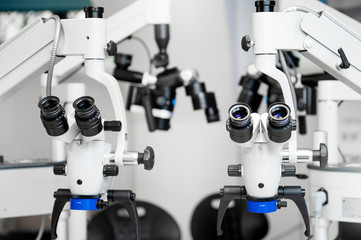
x: 110, y: 170
x: 281, y: 204
x: 59, y: 169
x: 246, y: 43
x: 147, y: 158
x: 288, y: 170
x: 93, y: 12
x: 321, y: 155
x: 235, y: 170
x: 101, y: 204
x: 112, y: 48
x: 114, y: 126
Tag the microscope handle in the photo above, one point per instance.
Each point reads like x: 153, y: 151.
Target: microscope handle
x: 128, y: 76
x: 296, y: 194
x: 228, y: 194
x: 147, y: 104
x: 62, y: 196
x: 302, y: 124
x: 127, y: 199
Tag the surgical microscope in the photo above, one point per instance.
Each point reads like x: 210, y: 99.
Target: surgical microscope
x: 157, y: 94
x: 91, y: 165
x: 331, y: 40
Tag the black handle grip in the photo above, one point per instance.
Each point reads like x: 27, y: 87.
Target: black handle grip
x: 128, y: 76
x: 62, y: 196
x: 127, y: 199
x: 302, y: 128
x: 228, y: 194
x: 146, y: 101
x: 296, y: 194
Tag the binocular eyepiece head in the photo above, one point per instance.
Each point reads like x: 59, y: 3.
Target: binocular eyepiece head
x: 53, y: 117
x: 87, y: 116
x: 279, y: 123
x: 239, y: 123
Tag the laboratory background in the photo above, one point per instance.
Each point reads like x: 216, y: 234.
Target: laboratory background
x: 207, y: 155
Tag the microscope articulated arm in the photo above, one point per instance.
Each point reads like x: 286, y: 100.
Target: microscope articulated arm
x: 123, y: 24
x: 32, y: 45
x: 327, y: 39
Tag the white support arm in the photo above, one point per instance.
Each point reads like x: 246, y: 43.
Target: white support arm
x: 317, y: 37
x: 123, y: 24
x: 25, y: 56
x: 32, y: 45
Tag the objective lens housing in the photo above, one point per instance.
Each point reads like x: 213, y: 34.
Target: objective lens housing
x: 279, y: 124
x: 239, y: 124
x: 87, y: 116
x: 52, y: 115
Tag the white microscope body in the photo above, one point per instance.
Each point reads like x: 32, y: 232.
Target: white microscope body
x: 332, y: 41
x: 91, y: 166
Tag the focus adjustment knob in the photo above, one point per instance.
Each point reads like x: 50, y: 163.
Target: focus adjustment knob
x: 59, y: 169
x: 235, y: 170
x: 114, y: 126
x: 246, y: 43
x: 112, y: 48
x: 110, y: 170
x: 147, y: 158
x: 321, y: 155
x: 288, y: 170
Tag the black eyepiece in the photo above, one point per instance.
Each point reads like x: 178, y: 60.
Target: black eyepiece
x: 52, y: 115
x: 240, y: 115
x: 279, y: 115
x: 279, y: 125
x: 239, y: 123
x: 87, y: 116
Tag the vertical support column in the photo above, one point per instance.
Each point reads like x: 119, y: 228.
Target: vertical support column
x: 323, y: 227
x: 62, y: 228
x: 78, y: 225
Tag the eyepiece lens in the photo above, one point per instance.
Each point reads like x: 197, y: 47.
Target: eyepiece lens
x: 85, y: 104
x: 240, y: 112
x: 279, y: 112
x: 279, y: 115
x: 51, y: 103
x: 240, y: 115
